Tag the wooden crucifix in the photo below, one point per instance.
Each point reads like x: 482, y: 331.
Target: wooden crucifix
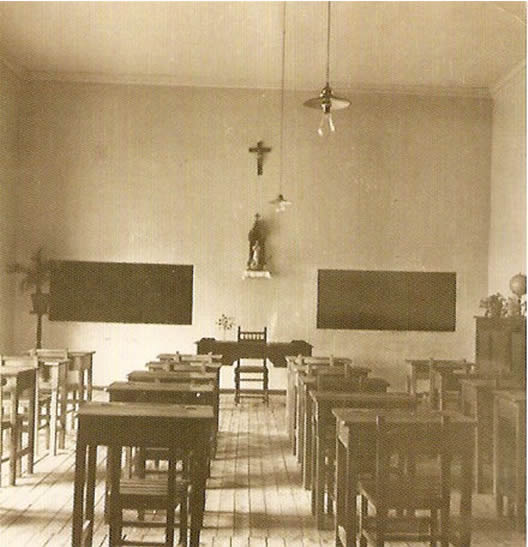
x: 260, y: 150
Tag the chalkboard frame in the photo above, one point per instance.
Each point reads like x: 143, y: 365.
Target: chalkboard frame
x: 386, y: 300
x: 121, y: 292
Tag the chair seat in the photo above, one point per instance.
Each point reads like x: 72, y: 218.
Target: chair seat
x: 404, y: 492
x: 398, y: 529
x: 251, y: 368
x: 148, y: 493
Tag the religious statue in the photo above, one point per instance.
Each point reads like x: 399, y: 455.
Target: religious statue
x: 256, y: 238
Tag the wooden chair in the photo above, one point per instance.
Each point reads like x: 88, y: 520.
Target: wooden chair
x: 257, y: 373
x: 142, y: 494
x: 323, y: 485
x: 397, y: 493
x: 18, y: 412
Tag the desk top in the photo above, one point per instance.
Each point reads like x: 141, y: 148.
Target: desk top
x: 513, y: 395
x: 161, y: 387
x: 147, y: 410
x: 397, y: 415
x: 360, y: 397
x: 189, y: 357
x: 11, y: 372
x: 80, y: 353
x: 147, y: 375
x: 231, y: 350
x: 186, y: 366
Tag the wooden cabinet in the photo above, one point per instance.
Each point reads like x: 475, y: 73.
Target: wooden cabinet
x: 501, y: 345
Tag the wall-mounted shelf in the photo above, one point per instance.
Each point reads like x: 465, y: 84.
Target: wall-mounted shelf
x: 256, y: 274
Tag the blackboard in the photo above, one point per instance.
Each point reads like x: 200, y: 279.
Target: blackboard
x: 386, y: 300
x: 117, y: 292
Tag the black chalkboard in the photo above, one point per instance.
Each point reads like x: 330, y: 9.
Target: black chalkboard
x: 386, y: 300
x: 117, y: 292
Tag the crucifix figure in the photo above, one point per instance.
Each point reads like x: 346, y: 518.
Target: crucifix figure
x: 260, y: 150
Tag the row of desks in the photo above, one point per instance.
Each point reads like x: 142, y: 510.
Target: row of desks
x: 51, y: 377
x: 138, y: 416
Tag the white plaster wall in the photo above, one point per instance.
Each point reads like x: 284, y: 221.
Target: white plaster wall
x: 507, y: 241
x: 10, y: 92
x: 159, y: 174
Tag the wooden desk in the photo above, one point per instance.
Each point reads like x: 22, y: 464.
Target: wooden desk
x: 419, y: 370
x: 190, y: 357
x: 53, y: 373
x: 323, y: 433
x: 509, y: 454
x: 232, y: 350
x: 118, y: 425
x: 295, y: 365
x: 476, y: 400
x: 443, y: 379
x: 350, y: 422
x: 174, y: 393
x: 15, y: 381
x: 306, y: 381
x: 165, y: 376
x: 182, y: 378
x: 82, y: 361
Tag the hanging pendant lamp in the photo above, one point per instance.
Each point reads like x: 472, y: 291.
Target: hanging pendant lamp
x: 327, y: 102
x: 280, y: 202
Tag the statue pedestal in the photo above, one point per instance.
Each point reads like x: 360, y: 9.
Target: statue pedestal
x: 256, y: 274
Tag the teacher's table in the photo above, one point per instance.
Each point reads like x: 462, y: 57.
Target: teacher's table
x: 232, y: 350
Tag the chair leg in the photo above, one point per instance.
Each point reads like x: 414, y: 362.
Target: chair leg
x: 237, y: 383
x: 183, y: 519
x: 266, y: 383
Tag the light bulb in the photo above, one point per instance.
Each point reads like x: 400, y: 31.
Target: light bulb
x: 326, y: 125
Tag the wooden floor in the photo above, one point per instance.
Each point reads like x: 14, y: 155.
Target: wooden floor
x: 254, y: 496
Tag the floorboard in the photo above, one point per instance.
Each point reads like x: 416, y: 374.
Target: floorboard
x: 254, y: 497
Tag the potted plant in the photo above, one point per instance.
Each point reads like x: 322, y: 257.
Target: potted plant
x: 36, y: 275
x: 495, y: 305
x: 225, y: 323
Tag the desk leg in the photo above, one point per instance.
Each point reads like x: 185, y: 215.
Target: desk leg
x: 520, y: 474
x: 198, y: 467
x: 319, y: 484
x: 32, y: 417
x: 465, y: 493
x: 63, y: 407
x: 13, y: 441
x: 53, y: 418
x: 340, y: 486
x: 171, y: 497
x: 90, y: 491
x: 89, y: 383
x: 115, y: 513
x: 78, y: 492
x: 497, y: 464
x: 350, y: 495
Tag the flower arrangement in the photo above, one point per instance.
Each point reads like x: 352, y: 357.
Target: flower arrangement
x: 495, y: 305
x: 225, y: 323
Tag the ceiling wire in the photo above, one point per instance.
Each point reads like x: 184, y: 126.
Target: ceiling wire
x: 282, y: 95
x: 328, y: 43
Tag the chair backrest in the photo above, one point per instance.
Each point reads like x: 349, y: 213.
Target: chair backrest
x: 410, y: 440
x: 337, y: 383
x: 374, y: 385
x: 19, y: 361
x: 49, y: 353
x: 253, y: 335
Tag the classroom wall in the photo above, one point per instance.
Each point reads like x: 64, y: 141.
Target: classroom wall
x: 507, y: 241
x: 163, y: 174
x: 10, y: 91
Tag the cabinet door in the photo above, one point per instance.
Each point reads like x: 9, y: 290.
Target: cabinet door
x: 484, y: 350
x: 500, y: 351
x: 518, y: 354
